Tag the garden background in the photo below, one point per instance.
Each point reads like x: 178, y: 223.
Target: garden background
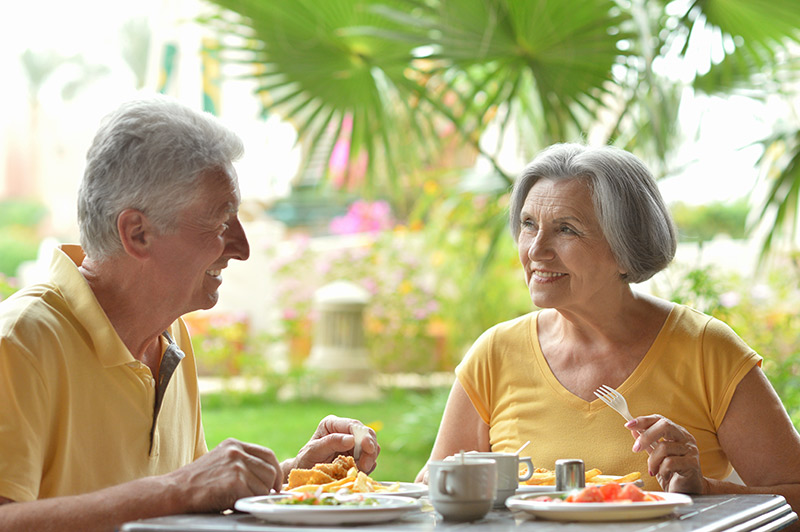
x: 382, y: 137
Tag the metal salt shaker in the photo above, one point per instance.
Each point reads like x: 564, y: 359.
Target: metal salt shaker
x: 570, y: 474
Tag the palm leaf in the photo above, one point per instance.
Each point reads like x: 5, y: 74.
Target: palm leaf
x: 318, y: 68
x: 780, y: 164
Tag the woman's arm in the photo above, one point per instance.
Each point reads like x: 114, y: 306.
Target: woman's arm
x: 461, y: 429
x: 760, y: 441
x: 756, y: 434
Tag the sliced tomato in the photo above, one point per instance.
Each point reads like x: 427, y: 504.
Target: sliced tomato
x: 631, y: 492
x: 610, y: 491
x: 587, y: 494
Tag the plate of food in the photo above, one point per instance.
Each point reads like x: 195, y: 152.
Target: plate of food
x: 544, y: 480
x: 610, y: 502
x: 328, y: 508
x: 343, y: 475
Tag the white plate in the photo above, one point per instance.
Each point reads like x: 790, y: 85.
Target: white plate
x: 407, y: 489
x: 265, y: 508
x: 532, y: 488
x: 598, y: 511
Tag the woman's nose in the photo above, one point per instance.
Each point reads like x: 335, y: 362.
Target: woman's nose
x: 237, y: 246
x: 539, y: 247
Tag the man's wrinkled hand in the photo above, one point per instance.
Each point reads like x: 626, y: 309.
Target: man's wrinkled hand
x: 334, y: 437
x: 233, y: 470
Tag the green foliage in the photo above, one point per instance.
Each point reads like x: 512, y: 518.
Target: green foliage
x: 21, y: 213
x: 766, y: 315
x: 7, y: 287
x: 467, y: 236
x: 222, y: 344
x: 402, y: 313
x: 435, y: 284
x: 19, y: 238
x: 702, y: 223
x: 17, y: 245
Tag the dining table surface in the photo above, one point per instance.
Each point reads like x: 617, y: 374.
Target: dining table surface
x: 707, y: 513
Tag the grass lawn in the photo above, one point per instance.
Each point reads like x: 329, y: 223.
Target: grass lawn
x: 405, y: 421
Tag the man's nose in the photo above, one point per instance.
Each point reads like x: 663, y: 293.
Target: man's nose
x: 237, y: 246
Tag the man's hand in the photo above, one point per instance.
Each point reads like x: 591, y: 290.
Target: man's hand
x: 234, y: 469
x: 334, y: 437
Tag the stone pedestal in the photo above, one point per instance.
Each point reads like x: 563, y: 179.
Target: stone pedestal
x: 338, y: 353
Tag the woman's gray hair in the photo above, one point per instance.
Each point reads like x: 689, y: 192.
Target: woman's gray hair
x: 148, y: 155
x: 632, y: 214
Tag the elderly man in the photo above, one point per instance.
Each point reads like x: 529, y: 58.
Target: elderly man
x: 99, y: 404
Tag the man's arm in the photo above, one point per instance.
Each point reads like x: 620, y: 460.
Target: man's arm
x: 211, y: 483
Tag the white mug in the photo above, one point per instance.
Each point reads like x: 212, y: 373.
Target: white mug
x: 508, y: 476
x: 462, y: 491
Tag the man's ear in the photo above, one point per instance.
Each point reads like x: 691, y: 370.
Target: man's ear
x: 135, y: 232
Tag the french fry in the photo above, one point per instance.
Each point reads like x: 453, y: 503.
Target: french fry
x: 630, y: 477
x: 592, y: 473
x: 356, y: 481
x: 546, y: 477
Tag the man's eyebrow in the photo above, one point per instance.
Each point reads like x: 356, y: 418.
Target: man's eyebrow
x: 224, y: 209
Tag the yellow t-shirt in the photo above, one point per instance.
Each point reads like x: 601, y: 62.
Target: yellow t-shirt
x: 76, y: 409
x: 689, y: 375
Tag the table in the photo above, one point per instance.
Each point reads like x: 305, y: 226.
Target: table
x: 709, y: 513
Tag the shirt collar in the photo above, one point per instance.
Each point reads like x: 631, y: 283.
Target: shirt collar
x: 109, y: 347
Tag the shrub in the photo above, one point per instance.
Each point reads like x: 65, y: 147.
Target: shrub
x: 19, y: 238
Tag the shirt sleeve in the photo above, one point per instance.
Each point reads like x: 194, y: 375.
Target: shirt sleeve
x: 474, y: 375
x: 727, y: 360
x: 24, y: 422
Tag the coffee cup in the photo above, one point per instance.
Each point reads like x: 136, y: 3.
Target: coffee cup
x: 508, y: 475
x: 462, y: 490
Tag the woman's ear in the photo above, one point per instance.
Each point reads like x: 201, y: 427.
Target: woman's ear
x: 135, y: 233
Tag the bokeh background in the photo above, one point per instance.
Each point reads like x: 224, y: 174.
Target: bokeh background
x: 381, y: 140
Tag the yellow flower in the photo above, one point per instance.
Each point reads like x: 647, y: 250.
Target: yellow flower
x: 430, y: 187
x: 405, y: 287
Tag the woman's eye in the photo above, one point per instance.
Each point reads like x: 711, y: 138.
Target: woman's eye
x: 568, y: 230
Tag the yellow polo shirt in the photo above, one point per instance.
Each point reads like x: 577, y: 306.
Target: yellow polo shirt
x: 76, y: 409
x: 689, y: 375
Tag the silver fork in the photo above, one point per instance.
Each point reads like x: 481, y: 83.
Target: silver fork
x: 617, y: 401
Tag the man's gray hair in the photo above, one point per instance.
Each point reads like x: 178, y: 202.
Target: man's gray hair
x: 148, y: 155
x: 632, y: 214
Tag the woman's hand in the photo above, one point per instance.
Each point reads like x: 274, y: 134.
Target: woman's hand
x: 674, y: 458
x: 334, y: 437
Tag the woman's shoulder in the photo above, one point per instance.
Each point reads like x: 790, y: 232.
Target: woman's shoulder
x: 695, y: 324
x: 514, y: 326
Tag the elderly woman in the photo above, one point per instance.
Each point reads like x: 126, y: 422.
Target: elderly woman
x: 588, y: 222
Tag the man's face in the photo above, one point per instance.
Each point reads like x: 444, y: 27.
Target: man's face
x: 189, y: 261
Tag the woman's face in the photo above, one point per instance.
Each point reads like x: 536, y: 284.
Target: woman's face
x: 567, y: 261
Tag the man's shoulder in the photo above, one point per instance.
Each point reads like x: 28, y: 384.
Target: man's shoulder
x: 32, y: 310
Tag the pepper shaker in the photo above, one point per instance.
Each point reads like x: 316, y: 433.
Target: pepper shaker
x: 570, y: 474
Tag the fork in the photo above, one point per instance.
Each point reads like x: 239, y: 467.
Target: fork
x: 617, y: 401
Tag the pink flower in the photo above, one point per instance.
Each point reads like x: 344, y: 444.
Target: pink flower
x: 729, y: 299
x: 363, y: 217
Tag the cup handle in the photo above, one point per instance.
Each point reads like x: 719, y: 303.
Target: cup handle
x: 527, y: 461
x: 443, y: 482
